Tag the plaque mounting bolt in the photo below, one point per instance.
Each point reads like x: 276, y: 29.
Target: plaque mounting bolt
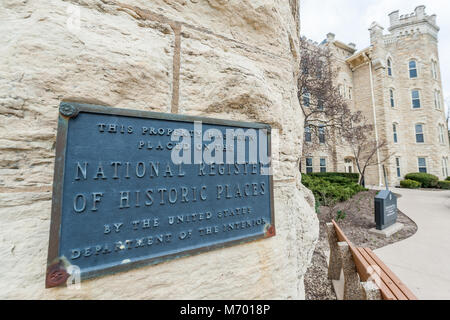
x: 270, y: 230
x: 68, y: 110
x: 56, y: 275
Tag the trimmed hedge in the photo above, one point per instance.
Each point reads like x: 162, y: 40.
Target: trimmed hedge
x: 448, y: 179
x: 331, y: 187
x: 410, y: 184
x: 444, y: 184
x: 330, y: 175
x: 427, y: 180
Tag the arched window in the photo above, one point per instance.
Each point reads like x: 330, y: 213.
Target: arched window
x: 419, y: 133
x: 441, y: 133
x: 413, y: 69
x: 437, y: 99
x: 389, y: 67
x: 391, y: 97
x: 434, y: 69
x: 394, y: 129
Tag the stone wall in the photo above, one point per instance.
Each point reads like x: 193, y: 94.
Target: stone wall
x: 218, y: 58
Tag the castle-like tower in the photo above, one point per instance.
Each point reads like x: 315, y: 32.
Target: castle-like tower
x: 396, y: 83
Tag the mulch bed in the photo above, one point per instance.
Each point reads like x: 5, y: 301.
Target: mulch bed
x: 356, y: 225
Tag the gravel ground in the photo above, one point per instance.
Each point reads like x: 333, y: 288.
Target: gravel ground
x: 359, y: 219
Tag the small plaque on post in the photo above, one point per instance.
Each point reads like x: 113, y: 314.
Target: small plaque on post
x: 385, y: 209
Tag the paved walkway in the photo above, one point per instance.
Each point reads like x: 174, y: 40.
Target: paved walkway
x: 422, y: 262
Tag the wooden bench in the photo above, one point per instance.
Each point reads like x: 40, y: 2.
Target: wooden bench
x: 366, y: 277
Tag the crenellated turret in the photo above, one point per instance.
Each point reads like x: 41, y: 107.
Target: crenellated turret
x: 415, y: 22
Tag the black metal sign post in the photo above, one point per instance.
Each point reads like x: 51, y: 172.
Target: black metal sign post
x: 121, y: 201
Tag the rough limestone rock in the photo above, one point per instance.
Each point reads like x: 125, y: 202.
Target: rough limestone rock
x: 231, y: 59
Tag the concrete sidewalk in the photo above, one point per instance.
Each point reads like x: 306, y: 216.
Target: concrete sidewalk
x: 422, y: 262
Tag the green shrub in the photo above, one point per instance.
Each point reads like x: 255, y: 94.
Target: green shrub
x: 328, y: 189
x: 444, y: 184
x: 427, y: 180
x: 352, y: 176
x: 448, y: 179
x: 410, y: 184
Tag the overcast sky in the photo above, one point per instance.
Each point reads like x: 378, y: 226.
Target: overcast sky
x: 350, y: 19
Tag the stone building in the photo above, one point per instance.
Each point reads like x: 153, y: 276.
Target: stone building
x: 223, y: 59
x: 396, y: 83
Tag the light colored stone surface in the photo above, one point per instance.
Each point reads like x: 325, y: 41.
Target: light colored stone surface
x: 338, y: 286
x: 226, y: 59
x: 389, y: 231
x: 352, y: 285
x: 422, y: 262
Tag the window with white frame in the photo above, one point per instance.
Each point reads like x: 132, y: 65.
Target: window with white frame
x: 397, y: 163
x: 422, y: 164
x: 437, y: 99
x: 445, y: 167
x: 323, y: 165
x: 394, y: 129
x: 412, y: 69
x: 419, y: 133
x: 391, y: 97
x: 321, y: 134
x: 434, y: 69
x: 307, y: 134
x: 415, y: 98
x: 441, y: 133
x: 306, y: 98
x: 309, y: 165
x: 389, y: 67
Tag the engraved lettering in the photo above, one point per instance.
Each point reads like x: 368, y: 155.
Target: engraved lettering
x: 101, y: 127
x: 124, y: 199
x: 76, y: 253
x: 76, y: 208
x: 140, y: 170
x: 82, y: 170
x: 115, y: 164
x: 100, y: 172
x: 96, y: 196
